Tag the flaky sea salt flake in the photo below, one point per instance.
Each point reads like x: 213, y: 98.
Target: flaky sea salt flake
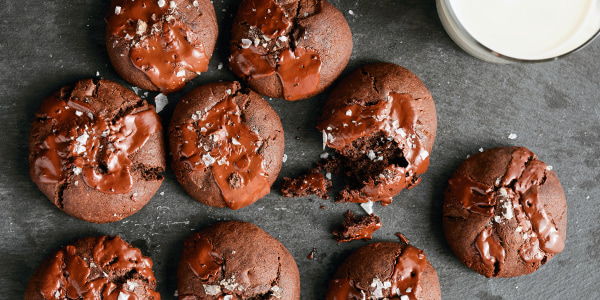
x: 161, y: 101
x: 246, y: 43
x: 367, y: 207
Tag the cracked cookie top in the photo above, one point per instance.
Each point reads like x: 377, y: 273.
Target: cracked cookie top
x: 236, y: 260
x: 99, y: 267
x: 508, y: 209
x: 85, y: 139
x: 227, y: 145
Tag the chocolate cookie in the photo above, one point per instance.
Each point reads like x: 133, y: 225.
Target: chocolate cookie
x: 96, y: 151
x: 160, y: 45
x: 290, y: 49
x: 385, y: 270
x: 505, y: 212
x: 236, y: 260
x: 381, y: 122
x: 227, y: 145
x: 100, y: 267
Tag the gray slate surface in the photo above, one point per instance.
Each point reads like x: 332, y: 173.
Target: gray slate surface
x: 552, y: 108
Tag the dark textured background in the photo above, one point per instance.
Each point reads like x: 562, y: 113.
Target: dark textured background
x: 551, y: 107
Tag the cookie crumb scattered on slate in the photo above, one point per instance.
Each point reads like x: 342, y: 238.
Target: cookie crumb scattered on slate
x: 311, y: 183
x: 355, y: 228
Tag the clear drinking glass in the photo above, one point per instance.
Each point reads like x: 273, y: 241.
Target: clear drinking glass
x: 508, y: 31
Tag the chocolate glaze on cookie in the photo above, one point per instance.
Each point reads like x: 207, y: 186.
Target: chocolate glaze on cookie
x: 381, y: 121
x: 236, y: 260
x: 288, y: 48
x: 87, y: 151
x: 509, y: 211
x: 227, y: 145
x: 385, y: 270
x: 160, y: 45
x: 94, y: 268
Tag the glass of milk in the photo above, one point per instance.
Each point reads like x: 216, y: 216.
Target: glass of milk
x: 504, y: 31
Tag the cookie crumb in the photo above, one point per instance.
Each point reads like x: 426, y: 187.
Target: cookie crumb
x: 311, y: 255
x: 311, y: 183
x: 403, y: 239
x: 355, y: 228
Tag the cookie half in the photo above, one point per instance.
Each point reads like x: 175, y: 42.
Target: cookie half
x: 385, y: 270
x: 161, y: 45
x: 227, y: 145
x: 381, y: 122
x: 289, y: 49
x: 505, y: 212
x: 96, y: 151
x: 236, y: 260
x: 100, y: 267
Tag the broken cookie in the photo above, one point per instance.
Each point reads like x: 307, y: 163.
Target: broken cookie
x: 381, y: 122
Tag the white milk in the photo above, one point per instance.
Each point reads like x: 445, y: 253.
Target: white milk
x: 529, y: 29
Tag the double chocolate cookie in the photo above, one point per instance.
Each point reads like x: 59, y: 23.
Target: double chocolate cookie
x: 161, y: 45
x: 505, y: 212
x: 96, y: 151
x: 236, y: 260
x: 385, y: 270
x: 99, y: 267
x: 289, y: 49
x: 381, y: 122
x: 227, y: 145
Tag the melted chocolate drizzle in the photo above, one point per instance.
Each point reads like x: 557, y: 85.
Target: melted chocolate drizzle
x: 70, y: 276
x: 476, y: 197
x: 202, y: 258
x: 298, y: 68
x: 490, y: 249
x: 265, y: 15
x: 162, y: 48
x: 82, y: 141
x: 221, y: 141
